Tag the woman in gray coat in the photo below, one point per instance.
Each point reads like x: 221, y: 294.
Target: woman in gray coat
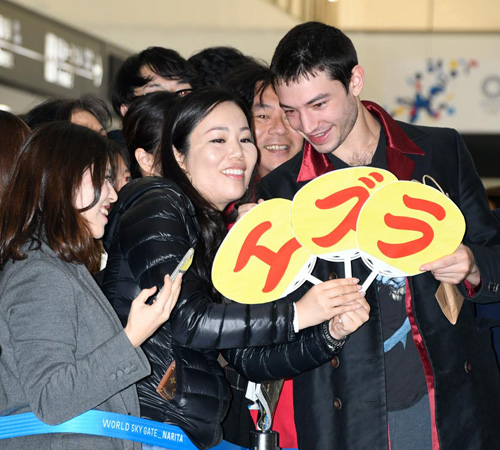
x: 63, y: 349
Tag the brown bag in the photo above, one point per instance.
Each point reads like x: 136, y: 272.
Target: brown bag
x: 168, y: 384
x: 450, y: 300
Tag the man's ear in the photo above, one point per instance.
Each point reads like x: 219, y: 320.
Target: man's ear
x: 357, y: 80
x: 146, y: 161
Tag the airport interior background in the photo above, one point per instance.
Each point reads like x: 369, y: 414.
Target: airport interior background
x: 429, y: 62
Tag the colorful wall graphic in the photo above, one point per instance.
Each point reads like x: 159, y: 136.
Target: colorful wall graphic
x: 433, y: 89
x: 434, y: 79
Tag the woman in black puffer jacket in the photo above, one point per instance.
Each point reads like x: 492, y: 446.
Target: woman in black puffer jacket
x: 207, y: 162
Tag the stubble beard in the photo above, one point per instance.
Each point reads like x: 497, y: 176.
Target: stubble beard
x: 345, y: 130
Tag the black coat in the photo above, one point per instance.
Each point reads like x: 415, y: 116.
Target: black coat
x: 150, y: 228
x: 342, y: 405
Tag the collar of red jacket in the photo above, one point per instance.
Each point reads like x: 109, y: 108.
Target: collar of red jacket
x: 399, y: 144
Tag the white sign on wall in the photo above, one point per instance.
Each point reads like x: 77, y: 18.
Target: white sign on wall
x: 435, y: 79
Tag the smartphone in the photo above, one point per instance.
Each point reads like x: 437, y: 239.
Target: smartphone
x: 182, y: 267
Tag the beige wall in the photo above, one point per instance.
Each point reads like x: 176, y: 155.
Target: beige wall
x: 255, y: 26
x: 394, y: 15
x: 414, y: 15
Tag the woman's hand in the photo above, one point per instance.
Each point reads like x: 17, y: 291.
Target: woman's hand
x: 329, y: 299
x: 245, y: 207
x: 346, y: 323
x: 145, y: 319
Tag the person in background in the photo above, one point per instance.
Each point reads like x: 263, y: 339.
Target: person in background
x: 277, y: 142
x: 154, y: 69
x: 208, y: 158
x: 142, y: 127
x: 120, y: 164
x: 214, y: 65
x: 275, y: 139
x: 64, y: 351
x: 409, y: 378
x: 89, y: 111
x: 42, y: 113
x: 13, y: 132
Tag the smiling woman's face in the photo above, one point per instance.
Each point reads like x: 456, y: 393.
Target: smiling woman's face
x: 221, y: 155
x: 97, y: 216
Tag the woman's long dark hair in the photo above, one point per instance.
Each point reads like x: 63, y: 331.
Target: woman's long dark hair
x: 143, y: 125
x: 13, y: 132
x: 38, y: 203
x: 183, y: 118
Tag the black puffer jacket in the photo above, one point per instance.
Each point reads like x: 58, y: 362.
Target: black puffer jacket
x: 150, y: 228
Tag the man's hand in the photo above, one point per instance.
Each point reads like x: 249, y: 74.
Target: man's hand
x: 455, y: 268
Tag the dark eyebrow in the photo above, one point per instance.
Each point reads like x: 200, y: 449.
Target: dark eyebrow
x: 315, y: 99
x: 225, y: 129
x: 263, y: 105
x: 217, y: 129
x: 310, y: 102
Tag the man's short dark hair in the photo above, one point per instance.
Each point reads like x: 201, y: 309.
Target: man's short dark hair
x: 165, y: 62
x: 314, y: 47
x: 215, y: 64
x: 248, y: 81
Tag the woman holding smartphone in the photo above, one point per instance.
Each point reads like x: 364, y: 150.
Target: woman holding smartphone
x: 63, y: 349
x: 208, y: 158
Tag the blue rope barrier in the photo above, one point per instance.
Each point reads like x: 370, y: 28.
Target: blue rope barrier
x: 107, y: 424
